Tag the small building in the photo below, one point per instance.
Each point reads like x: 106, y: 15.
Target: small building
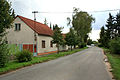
x: 32, y: 35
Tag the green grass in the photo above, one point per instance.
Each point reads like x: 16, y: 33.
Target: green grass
x: 114, y: 59
x: 16, y: 65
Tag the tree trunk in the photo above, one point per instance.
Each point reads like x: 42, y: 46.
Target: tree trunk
x: 74, y: 46
x: 71, y: 47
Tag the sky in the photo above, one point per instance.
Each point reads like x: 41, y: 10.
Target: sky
x: 25, y: 8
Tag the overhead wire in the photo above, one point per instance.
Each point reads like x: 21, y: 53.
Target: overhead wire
x: 81, y: 10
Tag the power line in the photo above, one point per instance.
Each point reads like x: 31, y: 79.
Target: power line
x: 85, y: 11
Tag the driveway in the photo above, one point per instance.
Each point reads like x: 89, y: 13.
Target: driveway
x: 84, y: 65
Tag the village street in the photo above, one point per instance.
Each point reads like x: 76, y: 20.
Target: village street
x: 84, y: 65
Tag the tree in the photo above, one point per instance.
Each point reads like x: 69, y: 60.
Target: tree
x: 89, y: 42
x: 45, y: 22
x: 71, y: 39
x: 69, y: 21
x: 82, y: 23
x: 50, y: 26
x: 13, y: 14
x: 57, y: 37
x: 110, y: 27
x: 117, y: 25
x: 6, y: 19
x: 115, y: 45
x: 53, y: 27
x: 103, y: 37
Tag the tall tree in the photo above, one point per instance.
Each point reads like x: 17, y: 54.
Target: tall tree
x: 89, y: 41
x: 6, y: 19
x: 103, y: 37
x: 82, y: 23
x: 45, y: 21
x: 13, y: 14
x: 110, y: 27
x: 117, y: 25
x: 57, y: 37
x: 50, y: 26
x: 53, y: 27
x: 71, y: 38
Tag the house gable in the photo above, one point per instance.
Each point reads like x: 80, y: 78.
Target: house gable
x: 39, y: 28
x: 24, y: 35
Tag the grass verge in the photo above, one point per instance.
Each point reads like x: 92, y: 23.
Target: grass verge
x: 114, y: 60
x: 16, y: 65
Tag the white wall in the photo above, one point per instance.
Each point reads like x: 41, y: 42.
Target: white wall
x: 47, y: 48
x: 25, y: 35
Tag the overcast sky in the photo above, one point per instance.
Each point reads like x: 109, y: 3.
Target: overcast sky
x: 25, y: 8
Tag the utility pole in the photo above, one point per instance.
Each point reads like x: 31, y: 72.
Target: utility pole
x: 34, y: 12
x: 35, y: 37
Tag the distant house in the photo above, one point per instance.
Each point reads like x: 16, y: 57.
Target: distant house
x: 64, y: 47
x: 33, y: 36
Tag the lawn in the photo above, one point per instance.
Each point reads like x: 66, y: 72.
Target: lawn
x: 13, y: 65
x: 114, y: 59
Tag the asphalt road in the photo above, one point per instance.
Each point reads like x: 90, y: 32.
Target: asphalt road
x: 84, y: 65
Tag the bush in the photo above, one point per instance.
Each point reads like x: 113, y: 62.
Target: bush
x: 4, y: 55
x: 100, y: 45
x: 82, y: 45
x: 115, y: 46
x: 24, y: 56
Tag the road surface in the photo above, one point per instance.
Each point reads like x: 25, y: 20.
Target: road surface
x: 84, y: 65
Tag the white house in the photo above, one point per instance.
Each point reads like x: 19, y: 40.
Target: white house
x: 33, y: 35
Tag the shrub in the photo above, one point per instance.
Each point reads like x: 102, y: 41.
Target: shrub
x: 115, y: 46
x: 82, y: 45
x: 100, y: 45
x: 24, y: 56
x: 4, y: 55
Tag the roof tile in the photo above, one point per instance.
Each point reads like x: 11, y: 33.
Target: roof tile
x: 39, y: 28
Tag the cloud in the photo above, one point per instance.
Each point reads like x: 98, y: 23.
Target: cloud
x: 25, y: 8
x: 94, y: 35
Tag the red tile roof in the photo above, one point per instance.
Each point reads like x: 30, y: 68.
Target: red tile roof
x: 39, y: 28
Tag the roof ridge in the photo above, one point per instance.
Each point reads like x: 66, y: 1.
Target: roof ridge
x: 31, y: 19
x: 40, y: 27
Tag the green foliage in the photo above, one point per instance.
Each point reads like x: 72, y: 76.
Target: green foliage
x: 71, y: 38
x: 82, y: 45
x: 13, y: 49
x: 4, y: 55
x: 6, y: 18
x: 110, y: 27
x: 82, y: 23
x: 104, y: 39
x: 115, y: 46
x: 45, y: 22
x: 89, y: 42
x: 57, y: 36
x: 50, y: 26
x: 24, y: 56
x: 112, y: 30
x: 117, y: 25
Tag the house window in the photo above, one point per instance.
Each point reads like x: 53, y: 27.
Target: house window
x: 43, y: 44
x: 17, y: 27
x: 51, y: 44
